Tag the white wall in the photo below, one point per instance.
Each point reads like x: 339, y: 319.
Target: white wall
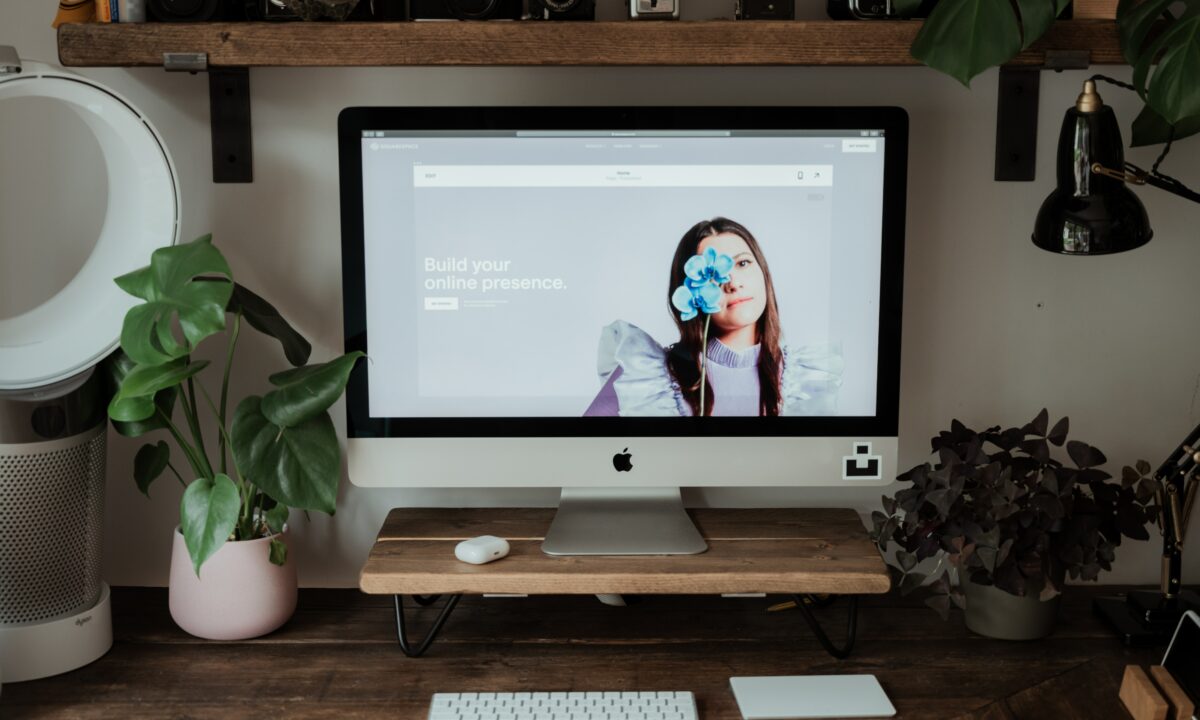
x: 994, y: 329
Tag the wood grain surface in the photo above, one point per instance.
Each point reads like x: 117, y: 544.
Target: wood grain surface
x: 696, y: 43
x: 775, y: 551
x: 337, y: 658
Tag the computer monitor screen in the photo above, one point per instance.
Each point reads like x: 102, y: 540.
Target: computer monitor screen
x: 554, y: 283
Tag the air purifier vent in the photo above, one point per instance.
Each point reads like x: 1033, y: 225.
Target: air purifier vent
x: 51, y: 512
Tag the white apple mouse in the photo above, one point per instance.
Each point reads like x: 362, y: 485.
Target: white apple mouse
x: 482, y: 549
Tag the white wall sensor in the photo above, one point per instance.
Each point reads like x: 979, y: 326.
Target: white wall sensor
x: 482, y: 549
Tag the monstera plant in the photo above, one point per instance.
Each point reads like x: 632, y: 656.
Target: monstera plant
x: 277, y: 451
x: 1160, y: 39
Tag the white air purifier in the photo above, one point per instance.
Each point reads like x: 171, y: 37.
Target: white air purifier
x: 54, y: 606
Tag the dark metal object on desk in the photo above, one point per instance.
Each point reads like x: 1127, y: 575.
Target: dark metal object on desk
x: 1149, y: 617
x: 562, y: 9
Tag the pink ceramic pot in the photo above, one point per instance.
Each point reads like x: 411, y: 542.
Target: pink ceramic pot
x: 239, y: 594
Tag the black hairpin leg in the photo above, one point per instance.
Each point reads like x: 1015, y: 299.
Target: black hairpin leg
x: 402, y: 631
x: 802, y: 603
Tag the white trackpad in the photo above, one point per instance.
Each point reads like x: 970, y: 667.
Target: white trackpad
x: 811, y: 696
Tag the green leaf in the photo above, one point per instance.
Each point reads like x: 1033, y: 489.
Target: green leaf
x: 173, y: 295
x: 208, y: 513
x: 278, y: 552
x: 1150, y: 129
x: 276, y: 517
x: 1174, y: 91
x: 1036, y: 18
x: 308, y: 391
x: 1135, y: 18
x: 264, y: 318
x: 146, y: 380
x: 116, y: 367
x: 299, y: 466
x: 149, y: 463
x: 965, y: 37
x: 134, y: 409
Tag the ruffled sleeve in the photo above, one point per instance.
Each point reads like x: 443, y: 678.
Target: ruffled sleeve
x: 812, y: 377
x: 644, y: 386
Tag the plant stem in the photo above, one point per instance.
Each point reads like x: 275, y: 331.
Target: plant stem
x: 233, y: 338
x: 704, y: 362
x: 193, y: 418
x: 181, y: 482
x: 188, y: 451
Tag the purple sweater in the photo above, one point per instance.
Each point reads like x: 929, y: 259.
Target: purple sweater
x: 732, y: 374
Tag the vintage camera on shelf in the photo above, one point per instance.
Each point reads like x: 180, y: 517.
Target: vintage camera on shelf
x: 765, y: 10
x: 276, y: 10
x: 878, y: 9
x: 653, y: 9
x: 196, y: 10
x: 562, y: 10
x: 464, y: 9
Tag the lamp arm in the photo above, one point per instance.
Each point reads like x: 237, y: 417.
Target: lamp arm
x: 1153, y: 177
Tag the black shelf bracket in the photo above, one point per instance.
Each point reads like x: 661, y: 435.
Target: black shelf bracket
x: 229, y: 115
x: 1017, y: 113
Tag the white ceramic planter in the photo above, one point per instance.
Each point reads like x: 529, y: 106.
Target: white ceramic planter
x: 239, y: 594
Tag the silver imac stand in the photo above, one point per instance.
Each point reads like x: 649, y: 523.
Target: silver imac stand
x: 622, y: 521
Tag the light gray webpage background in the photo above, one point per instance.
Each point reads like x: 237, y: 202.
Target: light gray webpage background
x: 534, y: 352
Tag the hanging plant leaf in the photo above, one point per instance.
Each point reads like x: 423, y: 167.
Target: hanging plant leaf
x: 149, y: 463
x: 965, y: 37
x: 172, y: 292
x: 1135, y: 18
x: 208, y: 513
x: 135, y: 400
x: 278, y: 552
x: 1036, y: 18
x: 264, y: 318
x: 308, y: 391
x: 1058, y: 433
x: 1174, y: 92
x: 1150, y: 129
x: 298, y: 466
x: 277, y: 517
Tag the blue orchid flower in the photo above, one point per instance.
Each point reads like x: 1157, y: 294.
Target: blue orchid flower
x: 708, y: 268
x: 701, y: 288
x: 689, y: 301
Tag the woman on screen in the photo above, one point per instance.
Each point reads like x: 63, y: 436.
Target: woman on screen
x: 748, y: 371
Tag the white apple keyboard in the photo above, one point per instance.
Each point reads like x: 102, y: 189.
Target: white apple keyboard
x: 664, y: 705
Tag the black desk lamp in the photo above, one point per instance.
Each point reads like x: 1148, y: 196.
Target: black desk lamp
x: 1092, y: 211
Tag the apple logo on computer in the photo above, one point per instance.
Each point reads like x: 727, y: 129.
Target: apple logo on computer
x: 622, y: 461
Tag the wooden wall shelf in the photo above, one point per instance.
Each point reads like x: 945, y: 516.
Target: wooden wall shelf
x: 701, y: 43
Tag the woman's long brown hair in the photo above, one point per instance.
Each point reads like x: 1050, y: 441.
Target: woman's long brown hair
x: 684, y: 358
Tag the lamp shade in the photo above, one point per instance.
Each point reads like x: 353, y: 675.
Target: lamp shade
x: 1090, y: 213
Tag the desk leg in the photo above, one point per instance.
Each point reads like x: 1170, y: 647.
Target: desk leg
x: 402, y: 631
x: 841, y: 653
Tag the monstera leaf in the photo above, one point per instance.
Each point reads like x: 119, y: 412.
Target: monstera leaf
x: 1164, y: 67
x: 208, y: 513
x: 174, y: 293
x: 307, y: 391
x: 298, y: 466
x: 264, y: 318
x: 965, y: 37
x: 117, y: 367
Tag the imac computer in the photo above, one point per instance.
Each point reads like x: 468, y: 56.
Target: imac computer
x: 621, y: 302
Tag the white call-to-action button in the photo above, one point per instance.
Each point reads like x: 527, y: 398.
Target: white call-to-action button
x: 867, y: 145
x: 441, y: 303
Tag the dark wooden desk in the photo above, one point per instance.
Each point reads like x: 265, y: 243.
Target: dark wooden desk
x: 338, y: 658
